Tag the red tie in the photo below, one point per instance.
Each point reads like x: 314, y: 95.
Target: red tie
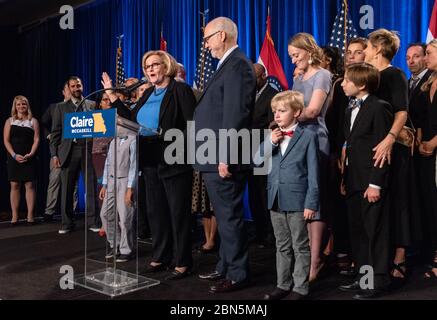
x: 288, y: 133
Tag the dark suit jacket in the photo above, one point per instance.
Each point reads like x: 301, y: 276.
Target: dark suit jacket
x: 58, y: 146
x: 227, y: 103
x: 262, y: 114
x: 176, y: 109
x: 371, y: 126
x: 294, y: 178
x: 415, y: 104
x: 46, y: 119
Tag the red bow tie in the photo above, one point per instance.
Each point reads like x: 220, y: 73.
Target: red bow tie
x: 288, y: 133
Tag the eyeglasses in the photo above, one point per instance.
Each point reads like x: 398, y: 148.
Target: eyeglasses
x: 206, y: 39
x: 152, y: 66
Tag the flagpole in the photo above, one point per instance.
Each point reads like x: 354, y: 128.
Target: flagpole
x: 346, y: 8
x: 120, y: 39
x: 202, y: 66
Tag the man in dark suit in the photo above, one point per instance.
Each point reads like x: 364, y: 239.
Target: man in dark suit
x: 367, y: 121
x: 419, y: 75
x: 70, y: 155
x: 261, y: 118
x: 227, y: 103
x: 54, y: 185
x: 416, y: 107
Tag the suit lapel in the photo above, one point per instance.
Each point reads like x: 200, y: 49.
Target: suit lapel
x: 296, y: 136
x: 218, y: 71
x: 419, y: 84
x: 363, y: 110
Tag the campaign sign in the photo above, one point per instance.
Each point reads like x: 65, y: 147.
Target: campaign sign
x: 90, y: 124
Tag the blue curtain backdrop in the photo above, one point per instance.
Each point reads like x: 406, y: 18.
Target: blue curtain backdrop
x: 39, y: 60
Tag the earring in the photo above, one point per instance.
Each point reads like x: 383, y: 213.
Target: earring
x: 310, y: 61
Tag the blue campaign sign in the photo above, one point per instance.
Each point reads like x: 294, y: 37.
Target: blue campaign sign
x: 90, y: 124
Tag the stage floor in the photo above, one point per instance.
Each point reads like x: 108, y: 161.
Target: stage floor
x: 31, y: 258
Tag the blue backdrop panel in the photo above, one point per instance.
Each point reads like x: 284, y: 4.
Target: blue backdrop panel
x: 46, y: 55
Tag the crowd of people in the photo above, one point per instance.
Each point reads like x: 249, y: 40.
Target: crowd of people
x: 352, y: 148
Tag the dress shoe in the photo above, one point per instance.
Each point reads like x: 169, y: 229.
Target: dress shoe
x: 157, y: 268
x: 351, y: 287
x: 110, y: 254
x: 277, y: 294
x: 48, y: 217
x: 124, y: 257
x: 212, y: 276
x: 296, y: 296
x: 228, y: 286
x: 368, y: 294
x: 176, y: 275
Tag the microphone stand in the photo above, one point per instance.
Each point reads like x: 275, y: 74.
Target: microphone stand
x: 98, y: 91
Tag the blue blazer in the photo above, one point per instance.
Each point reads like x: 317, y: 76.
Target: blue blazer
x: 294, y: 176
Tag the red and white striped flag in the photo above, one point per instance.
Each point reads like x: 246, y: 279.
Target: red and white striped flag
x: 270, y: 60
x: 432, y: 29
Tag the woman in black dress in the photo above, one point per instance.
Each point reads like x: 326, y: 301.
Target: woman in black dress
x: 21, y: 139
x: 393, y: 88
x: 427, y: 149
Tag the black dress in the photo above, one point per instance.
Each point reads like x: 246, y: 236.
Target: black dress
x: 21, y: 139
x: 427, y: 172
x: 404, y: 218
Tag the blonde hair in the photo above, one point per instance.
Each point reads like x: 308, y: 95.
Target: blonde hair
x: 306, y: 41
x: 388, y: 40
x: 14, y: 107
x: 170, y: 63
x: 293, y: 100
x: 426, y: 86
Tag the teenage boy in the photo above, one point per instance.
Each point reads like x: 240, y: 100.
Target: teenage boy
x: 367, y: 122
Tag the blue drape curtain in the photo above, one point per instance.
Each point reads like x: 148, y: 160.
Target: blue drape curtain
x: 37, y: 61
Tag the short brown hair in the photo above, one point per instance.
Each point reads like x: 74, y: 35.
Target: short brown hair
x: 306, y: 41
x: 360, y: 40
x: 293, y: 100
x: 363, y: 74
x: 388, y: 40
x: 170, y: 63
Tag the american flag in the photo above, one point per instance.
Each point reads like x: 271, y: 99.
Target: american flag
x: 119, y: 71
x: 343, y: 29
x: 204, y: 68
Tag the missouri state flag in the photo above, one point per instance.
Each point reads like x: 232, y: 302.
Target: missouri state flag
x: 270, y: 60
x: 432, y: 28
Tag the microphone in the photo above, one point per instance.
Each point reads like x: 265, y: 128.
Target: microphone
x: 135, y: 85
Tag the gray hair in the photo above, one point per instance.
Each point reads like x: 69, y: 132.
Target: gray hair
x: 227, y: 25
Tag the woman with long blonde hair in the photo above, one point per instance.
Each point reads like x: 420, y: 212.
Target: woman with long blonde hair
x: 427, y: 149
x: 314, y: 83
x: 21, y: 139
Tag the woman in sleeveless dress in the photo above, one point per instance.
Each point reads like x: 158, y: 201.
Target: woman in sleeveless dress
x: 21, y: 139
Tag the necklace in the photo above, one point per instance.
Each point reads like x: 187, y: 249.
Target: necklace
x: 159, y: 91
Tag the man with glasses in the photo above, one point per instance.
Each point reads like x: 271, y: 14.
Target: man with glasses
x: 227, y: 103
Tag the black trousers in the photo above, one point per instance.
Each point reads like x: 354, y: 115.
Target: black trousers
x: 76, y: 162
x: 227, y: 200
x: 370, y: 235
x: 169, y: 212
x: 258, y: 205
x: 143, y: 222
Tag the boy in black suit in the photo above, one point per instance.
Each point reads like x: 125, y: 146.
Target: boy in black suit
x: 367, y: 121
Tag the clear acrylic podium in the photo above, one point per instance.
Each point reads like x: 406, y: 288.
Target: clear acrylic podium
x: 101, y: 270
